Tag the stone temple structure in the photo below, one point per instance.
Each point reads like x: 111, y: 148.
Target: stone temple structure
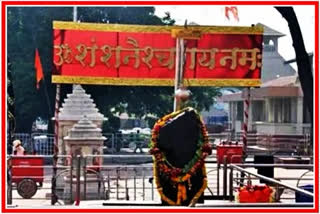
x: 84, y: 139
x: 77, y: 104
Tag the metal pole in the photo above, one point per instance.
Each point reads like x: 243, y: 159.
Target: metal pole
x: 99, y: 176
x: 117, y: 183
x: 135, y: 184
x: 85, y: 179
x: 126, y: 185
x: 71, y: 179
x: 245, y: 124
x: 109, y: 188
x: 143, y: 184
x: 218, y: 178
x: 271, y: 180
x: 78, y: 180
x: 9, y: 180
x: 231, y: 184
x: 179, y: 70
x: 225, y: 168
x: 75, y: 13
x: 182, y: 59
x: 177, y: 75
x: 77, y: 198
x: 152, y: 191
x: 281, y: 165
x: 56, y: 147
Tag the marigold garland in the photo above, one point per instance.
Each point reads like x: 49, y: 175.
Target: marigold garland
x: 179, y: 175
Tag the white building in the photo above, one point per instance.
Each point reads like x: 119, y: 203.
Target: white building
x: 277, y: 107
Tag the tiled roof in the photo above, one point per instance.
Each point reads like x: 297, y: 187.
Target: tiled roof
x: 282, y: 81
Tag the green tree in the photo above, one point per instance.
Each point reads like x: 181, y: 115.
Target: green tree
x: 30, y: 28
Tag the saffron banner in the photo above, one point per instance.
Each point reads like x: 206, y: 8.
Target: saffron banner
x: 113, y: 54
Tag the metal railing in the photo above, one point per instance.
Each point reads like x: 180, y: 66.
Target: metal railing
x: 119, y: 178
x: 277, y: 182
x: 42, y: 143
x: 133, y: 141
x: 125, y: 182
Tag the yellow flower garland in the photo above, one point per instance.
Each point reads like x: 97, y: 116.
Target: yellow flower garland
x: 159, y: 165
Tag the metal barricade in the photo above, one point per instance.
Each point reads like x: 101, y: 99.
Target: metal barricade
x: 125, y: 182
x: 126, y: 143
x: 279, y: 183
x: 42, y: 144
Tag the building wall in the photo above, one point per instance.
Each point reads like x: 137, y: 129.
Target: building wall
x: 282, y: 115
x: 275, y: 128
x: 280, y: 128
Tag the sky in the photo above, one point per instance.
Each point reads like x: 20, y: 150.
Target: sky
x: 267, y: 15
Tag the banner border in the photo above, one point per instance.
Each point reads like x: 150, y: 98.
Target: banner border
x: 85, y: 26
x: 153, y: 81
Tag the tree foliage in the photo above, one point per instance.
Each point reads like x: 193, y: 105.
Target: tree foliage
x: 31, y: 27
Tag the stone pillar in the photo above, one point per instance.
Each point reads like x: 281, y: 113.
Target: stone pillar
x: 299, y: 115
x: 269, y: 111
x: 233, y: 115
x: 250, y: 116
x: 275, y: 43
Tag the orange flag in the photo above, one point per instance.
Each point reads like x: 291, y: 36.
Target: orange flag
x: 38, y: 67
x: 234, y: 11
